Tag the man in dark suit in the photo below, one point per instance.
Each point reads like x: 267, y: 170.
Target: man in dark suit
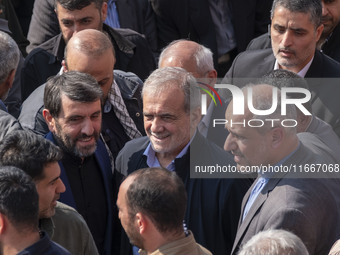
x: 294, y: 35
x: 330, y: 38
x: 281, y: 197
x: 73, y: 115
x: 133, y: 53
x: 171, y: 108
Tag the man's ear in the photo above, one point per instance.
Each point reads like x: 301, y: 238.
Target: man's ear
x: 63, y: 63
x: 104, y: 11
x: 141, y: 222
x: 277, y: 136
x: 195, y: 117
x: 3, y: 222
x: 50, y: 121
x: 212, y: 76
x: 10, y: 78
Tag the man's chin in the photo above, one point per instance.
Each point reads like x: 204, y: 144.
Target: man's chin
x: 85, y: 151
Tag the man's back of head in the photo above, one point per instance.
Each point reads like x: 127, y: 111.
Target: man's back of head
x: 167, y: 208
x: 91, y: 51
x: 156, y: 198
x: 29, y: 152
x: 18, y: 199
x: 9, y: 59
x: 274, y: 242
x: 193, y: 57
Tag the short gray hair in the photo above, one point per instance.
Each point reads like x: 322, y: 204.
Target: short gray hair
x: 9, y: 55
x: 203, y: 56
x: 312, y: 7
x: 274, y: 242
x: 164, y: 78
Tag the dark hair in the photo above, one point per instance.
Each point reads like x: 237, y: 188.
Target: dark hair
x: 77, y: 86
x: 283, y: 78
x: 19, y: 200
x: 72, y: 5
x: 161, y: 195
x: 313, y: 7
x: 29, y: 152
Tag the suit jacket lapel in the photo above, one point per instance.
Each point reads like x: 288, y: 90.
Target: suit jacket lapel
x: 261, y: 198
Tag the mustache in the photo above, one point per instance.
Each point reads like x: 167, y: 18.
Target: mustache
x: 286, y: 50
x: 326, y: 18
x: 84, y: 136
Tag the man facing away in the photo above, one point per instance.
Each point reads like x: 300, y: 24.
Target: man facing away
x: 19, y: 203
x: 9, y: 59
x: 39, y: 158
x: 155, y: 222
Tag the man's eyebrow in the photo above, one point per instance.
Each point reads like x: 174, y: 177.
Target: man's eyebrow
x: 58, y: 177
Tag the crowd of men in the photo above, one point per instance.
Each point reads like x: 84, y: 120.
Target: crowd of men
x: 222, y: 148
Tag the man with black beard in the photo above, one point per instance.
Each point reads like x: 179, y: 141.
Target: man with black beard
x: 73, y: 115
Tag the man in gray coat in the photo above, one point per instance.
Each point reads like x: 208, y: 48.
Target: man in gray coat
x: 289, y: 193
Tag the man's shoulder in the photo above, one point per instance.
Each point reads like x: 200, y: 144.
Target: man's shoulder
x: 323, y: 66
x: 261, y: 42
x: 131, y: 153
x: 8, y: 124
x: 31, y: 106
x: 258, y: 53
x: 251, y: 64
x: 67, y: 214
x: 138, y: 144
x: 128, y: 83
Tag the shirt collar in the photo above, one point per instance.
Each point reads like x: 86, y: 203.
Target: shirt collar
x: 302, y: 72
x: 152, y: 160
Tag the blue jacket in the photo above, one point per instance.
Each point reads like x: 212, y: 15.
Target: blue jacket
x: 104, y: 163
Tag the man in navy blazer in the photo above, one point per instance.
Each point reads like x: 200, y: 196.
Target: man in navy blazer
x: 74, y: 116
x: 295, y: 31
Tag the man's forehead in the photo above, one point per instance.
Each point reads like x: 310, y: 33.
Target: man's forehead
x: 84, y: 12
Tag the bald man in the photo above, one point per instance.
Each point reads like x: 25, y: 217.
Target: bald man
x: 278, y: 199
